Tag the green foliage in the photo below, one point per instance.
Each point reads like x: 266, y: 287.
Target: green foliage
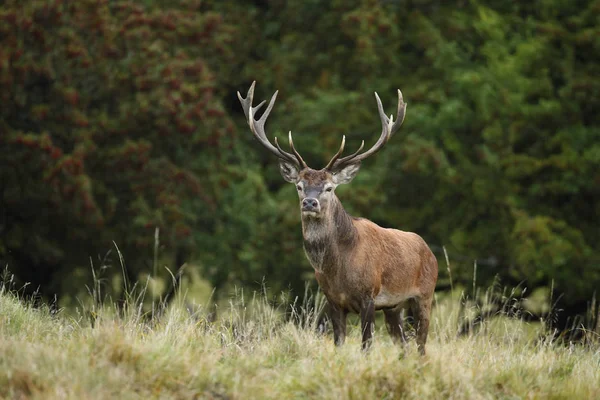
x: 516, y: 140
x: 119, y: 117
x: 498, y: 159
x: 110, y: 126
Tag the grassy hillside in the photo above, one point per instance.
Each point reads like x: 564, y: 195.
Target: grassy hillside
x: 254, y: 352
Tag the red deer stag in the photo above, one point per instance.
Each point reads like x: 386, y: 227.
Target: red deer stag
x: 360, y: 266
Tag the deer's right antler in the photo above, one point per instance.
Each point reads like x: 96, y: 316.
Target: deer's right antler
x: 258, y: 128
x: 389, y: 127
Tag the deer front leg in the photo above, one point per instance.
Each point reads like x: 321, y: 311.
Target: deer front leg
x: 338, y: 320
x: 367, y: 322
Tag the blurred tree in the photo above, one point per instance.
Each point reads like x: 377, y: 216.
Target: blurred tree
x: 506, y: 154
x: 498, y: 159
x: 109, y: 127
x: 117, y: 118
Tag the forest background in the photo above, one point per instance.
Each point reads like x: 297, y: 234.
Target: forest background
x: 121, y: 135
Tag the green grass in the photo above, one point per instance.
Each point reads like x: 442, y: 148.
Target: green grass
x: 253, y: 352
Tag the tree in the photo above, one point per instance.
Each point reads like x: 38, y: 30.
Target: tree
x: 110, y: 124
x: 505, y: 147
x: 498, y: 156
x: 120, y: 117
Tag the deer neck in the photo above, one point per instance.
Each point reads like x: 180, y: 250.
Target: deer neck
x: 326, y: 238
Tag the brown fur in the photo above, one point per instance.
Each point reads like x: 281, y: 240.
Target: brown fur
x: 358, y: 263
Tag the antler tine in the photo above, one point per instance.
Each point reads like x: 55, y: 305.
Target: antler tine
x: 247, y: 102
x: 388, y: 128
x: 298, y: 156
x: 258, y: 126
x: 333, y: 160
x: 362, y: 144
x: 281, y: 151
x: 338, y: 154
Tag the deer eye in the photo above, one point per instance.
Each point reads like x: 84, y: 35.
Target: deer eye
x: 329, y: 189
x: 299, y: 187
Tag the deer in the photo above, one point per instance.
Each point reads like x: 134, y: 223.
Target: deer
x: 359, y: 266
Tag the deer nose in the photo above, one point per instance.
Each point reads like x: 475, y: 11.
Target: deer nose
x: 310, y: 204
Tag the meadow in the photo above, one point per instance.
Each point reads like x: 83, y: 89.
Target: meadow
x: 254, y: 350
x: 120, y: 125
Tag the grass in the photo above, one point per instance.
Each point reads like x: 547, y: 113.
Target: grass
x: 254, y: 351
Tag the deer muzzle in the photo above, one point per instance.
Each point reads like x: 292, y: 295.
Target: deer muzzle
x: 311, y: 205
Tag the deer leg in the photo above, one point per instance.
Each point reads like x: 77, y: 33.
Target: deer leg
x: 367, y: 322
x: 394, y: 324
x: 338, y: 320
x: 421, y: 308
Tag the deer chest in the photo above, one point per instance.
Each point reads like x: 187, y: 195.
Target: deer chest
x: 319, y: 255
x: 337, y: 290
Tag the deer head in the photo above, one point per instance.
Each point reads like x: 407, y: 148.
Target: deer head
x: 316, y: 187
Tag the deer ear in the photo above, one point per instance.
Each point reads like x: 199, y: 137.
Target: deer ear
x: 289, y: 171
x: 346, y: 174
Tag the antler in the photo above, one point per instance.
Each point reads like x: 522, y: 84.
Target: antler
x: 389, y: 127
x: 258, y: 127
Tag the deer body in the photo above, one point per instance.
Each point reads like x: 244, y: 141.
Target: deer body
x: 348, y: 274
x: 360, y: 266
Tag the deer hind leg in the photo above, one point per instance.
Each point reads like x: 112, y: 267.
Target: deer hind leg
x: 394, y: 322
x: 421, y: 308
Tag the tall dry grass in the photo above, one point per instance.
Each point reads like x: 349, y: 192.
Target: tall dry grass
x: 257, y: 351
